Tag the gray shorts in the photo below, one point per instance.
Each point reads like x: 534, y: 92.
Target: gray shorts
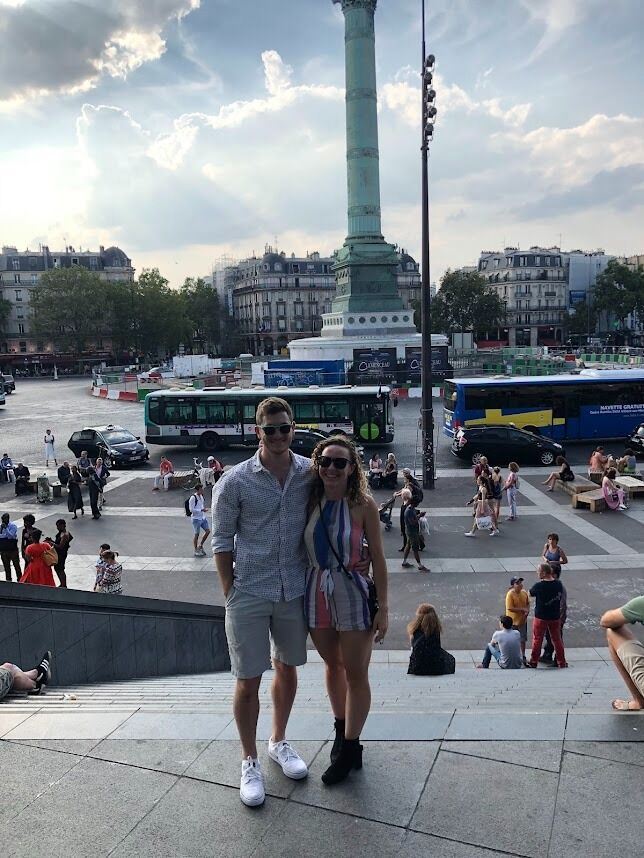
x: 253, y: 623
x: 631, y: 655
x: 6, y: 682
x: 523, y: 631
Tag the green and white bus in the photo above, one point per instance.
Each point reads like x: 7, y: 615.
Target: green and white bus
x: 213, y: 418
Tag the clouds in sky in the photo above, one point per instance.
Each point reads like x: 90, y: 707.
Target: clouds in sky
x: 183, y: 129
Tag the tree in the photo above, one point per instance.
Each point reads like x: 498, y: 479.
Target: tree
x: 619, y: 291
x: 204, y: 313
x: 464, y: 302
x: 5, y: 310
x: 583, y: 320
x: 69, y: 308
x: 160, y: 322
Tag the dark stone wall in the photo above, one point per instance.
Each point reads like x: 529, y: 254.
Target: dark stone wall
x: 97, y: 638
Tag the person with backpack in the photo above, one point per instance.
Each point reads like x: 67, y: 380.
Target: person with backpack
x: 41, y: 557
x: 194, y: 507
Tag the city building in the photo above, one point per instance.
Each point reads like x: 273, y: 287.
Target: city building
x: 539, y: 288
x: 20, y: 273
x: 278, y: 298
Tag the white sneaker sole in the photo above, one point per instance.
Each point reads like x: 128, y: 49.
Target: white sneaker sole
x: 293, y: 777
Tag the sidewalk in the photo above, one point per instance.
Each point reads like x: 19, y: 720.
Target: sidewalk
x: 476, y: 765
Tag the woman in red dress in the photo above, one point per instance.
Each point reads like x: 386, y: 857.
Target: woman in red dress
x: 37, y: 571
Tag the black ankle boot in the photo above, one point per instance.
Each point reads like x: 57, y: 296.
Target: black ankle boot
x: 337, y: 742
x: 350, y: 757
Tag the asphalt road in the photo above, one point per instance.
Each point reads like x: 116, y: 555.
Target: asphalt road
x: 66, y: 406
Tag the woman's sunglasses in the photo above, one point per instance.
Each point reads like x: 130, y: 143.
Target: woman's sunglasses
x: 339, y: 464
x: 271, y: 429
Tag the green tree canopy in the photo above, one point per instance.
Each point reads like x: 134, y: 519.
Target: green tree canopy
x: 619, y: 291
x: 465, y: 302
x: 68, y: 308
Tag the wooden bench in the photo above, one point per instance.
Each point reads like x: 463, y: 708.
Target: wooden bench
x: 576, y: 486
x: 596, y: 477
x: 594, y: 500
x: 182, y: 480
x: 631, y: 485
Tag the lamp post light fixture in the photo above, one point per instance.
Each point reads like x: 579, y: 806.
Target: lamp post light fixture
x: 427, y: 132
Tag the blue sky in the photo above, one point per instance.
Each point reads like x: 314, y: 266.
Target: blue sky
x: 185, y: 130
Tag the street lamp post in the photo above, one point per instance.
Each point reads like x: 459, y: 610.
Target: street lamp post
x: 427, y: 413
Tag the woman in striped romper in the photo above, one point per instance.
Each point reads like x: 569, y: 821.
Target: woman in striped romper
x: 342, y: 518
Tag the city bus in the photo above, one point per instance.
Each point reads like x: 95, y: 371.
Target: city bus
x: 213, y: 418
x: 596, y: 404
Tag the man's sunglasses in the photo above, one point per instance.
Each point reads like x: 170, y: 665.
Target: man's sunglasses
x: 339, y: 464
x: 271, y: 429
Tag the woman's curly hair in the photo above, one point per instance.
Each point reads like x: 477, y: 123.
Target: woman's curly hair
x: 357, y: 489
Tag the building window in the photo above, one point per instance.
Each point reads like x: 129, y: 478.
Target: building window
x: 93, y: 263
x: 16, y: 264
x: 298, y: 308
x: 22, y: 345
x: 296, y: 268
x: 546, y: 259
x: 537, y: 260
x: 281, y: 324
x: 34, y: 279
x: 18, y: 294
x: 16, y: 278
x: 56, y: 262
x: 21, y: 327
x: 297, y: 282
x: 522, y: 260
x: 20, y: 313
x: 325, y: 269
x: 74, y: 260
x: 278, y: 266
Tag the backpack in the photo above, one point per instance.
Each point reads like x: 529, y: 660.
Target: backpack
x: 417, y: 494
x: 50, y: 556
x: 186, y: 505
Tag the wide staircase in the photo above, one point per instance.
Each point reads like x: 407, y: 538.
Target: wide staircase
x: 481, y: 764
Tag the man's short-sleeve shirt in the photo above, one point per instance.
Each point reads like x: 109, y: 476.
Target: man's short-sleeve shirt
x: 634, y: 610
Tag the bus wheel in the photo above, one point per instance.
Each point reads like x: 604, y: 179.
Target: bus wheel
x: 210, y: 442
x: 532, y: 429
x: 546, y: 457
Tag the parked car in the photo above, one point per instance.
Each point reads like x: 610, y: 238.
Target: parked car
x: 118, y: 446
x: 635, y: 440
x: 503, y: 444
x: 306, y: 440
x: 9, y: 383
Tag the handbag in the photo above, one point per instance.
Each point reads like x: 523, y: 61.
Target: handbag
x: 372, y: 595
x: 482, y: 516
x: 50, y: 556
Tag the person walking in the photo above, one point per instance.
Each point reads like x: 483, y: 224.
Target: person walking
x: 345, y: 616
x: 412, y: 531
x: 50, y: 451
x: 64, y: 473
x: 38, y: 568
x: 517, y: 607
x: 95, y: 486
x: 62, y: 542
x: 9, y: 547
x: 75, y: 494
x: 484, y: 517
x: 199, y: 520
x: 409, y: 482
x: 259, y: 509
x: 166, y: 471
x: 102, y: 473
x: 547, y: 593
x: 496, y: 481
x: 553, y: 553
x: 512, y: 488
x: 427, y: 657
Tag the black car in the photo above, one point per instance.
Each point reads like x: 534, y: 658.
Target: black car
x: 503, y: 444
x: 306, y: 440
x: 635, y: 440
x: 118, y: 446
x: 9, y: 383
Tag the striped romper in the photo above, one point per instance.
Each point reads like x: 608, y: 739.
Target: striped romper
x: 333, y: 599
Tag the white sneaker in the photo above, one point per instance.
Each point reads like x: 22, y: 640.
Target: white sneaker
x: 292, y: 764
x: 468, y: 533
x: 494, y: 533
x: 251, y: 788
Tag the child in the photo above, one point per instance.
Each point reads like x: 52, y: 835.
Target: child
x: 428, y: 658
x: 512, y: 487
x: 108, y: 574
